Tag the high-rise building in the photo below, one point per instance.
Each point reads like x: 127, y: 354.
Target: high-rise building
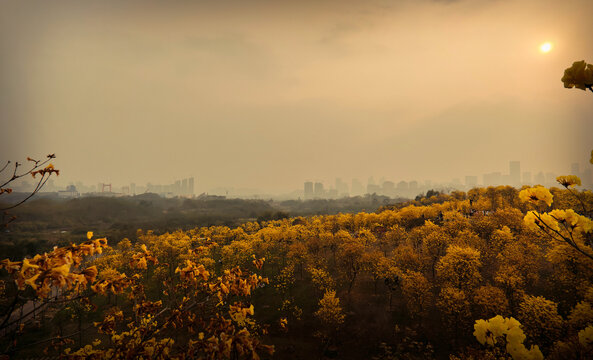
x: 388, y: 188
x: 319, y: 192
x: 403, y: 186
x: 341, y: 187
x: 184, y: 187
x: 191, y: 186
x: 515, y: 172
x: 540, y: 179
x: 308, y: 189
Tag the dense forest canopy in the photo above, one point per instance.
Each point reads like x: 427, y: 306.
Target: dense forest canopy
x: 414, y: 280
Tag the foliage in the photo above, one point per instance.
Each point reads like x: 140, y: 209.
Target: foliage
x: 432, y: 269
x: 579, y: 75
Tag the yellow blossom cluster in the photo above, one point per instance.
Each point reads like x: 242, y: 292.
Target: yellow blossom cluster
x: 239, y: 314
x: 489, y: 332
x: 139, y: 260
x: 233, y: 282
x: 559, y: 221
x: 191, y: 271
x: 54, y: 268
x: 536, y: 194
x: 568, y: 180
x: 579, y: 75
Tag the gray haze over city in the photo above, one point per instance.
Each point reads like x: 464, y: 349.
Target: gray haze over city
x: 259, y: 97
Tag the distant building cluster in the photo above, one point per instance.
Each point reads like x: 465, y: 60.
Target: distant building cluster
x: 409, y: 189
x: 181, y: 188
x: 516, y: 178
x: 316, y: 190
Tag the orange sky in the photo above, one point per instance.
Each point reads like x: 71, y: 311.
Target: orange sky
x: 268, y: 94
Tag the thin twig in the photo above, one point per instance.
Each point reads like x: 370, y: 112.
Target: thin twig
x: 40, y: 184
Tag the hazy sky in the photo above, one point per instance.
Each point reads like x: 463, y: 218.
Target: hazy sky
x: 268, y: 94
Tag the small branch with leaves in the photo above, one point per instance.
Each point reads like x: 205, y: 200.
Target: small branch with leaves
x: 44, y: 168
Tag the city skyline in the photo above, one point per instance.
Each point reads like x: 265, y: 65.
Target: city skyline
x: 339, y: 187
x: 243, y: 95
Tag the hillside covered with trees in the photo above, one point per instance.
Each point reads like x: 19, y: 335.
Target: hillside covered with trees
x: 494, y: 272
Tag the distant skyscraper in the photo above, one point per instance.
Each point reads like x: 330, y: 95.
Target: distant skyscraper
x: 184, y: 187
x: 389, y: 188
x: 403, y: 186
x: 133, y: 188
x: 319, y: 192
x: 191, y: 186
x: 308, y: 189
x: 341, y: 187
x: 515, y: 173
x: 540, y: 178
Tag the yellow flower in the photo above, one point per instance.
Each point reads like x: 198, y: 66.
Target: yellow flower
x: 536, y: 194
x: 89, y: 235
x: 31, y: 281
x: 62, y: 270
x: 27, y: 265
x: 549, y: 221
x: 531, y: 220
x: 568, y: 180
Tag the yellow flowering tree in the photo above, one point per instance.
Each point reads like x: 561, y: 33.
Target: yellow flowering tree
x: 560, y: 225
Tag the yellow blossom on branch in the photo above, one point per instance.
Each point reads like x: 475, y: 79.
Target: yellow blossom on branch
x: 568, y: 180
x: 536, y: 194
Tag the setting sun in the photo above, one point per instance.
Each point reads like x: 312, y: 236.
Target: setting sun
x: 545, y: 47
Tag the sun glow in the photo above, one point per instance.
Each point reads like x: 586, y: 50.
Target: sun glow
x: 545, y: 47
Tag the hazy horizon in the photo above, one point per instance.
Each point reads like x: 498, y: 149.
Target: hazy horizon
x: 269, y: 94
